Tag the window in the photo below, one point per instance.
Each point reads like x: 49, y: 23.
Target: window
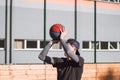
x: 101, y: 45
x: 85, y: 45
x: 115, y: 1
x: 42, y: 44
x: 55, y: 46
x: 31, y: 44
x: 104, y: 45
x: 19, y: 44
x: 1, y: 43
x: 113, y: 45
x: 89, y: 45
x: 92, y: 45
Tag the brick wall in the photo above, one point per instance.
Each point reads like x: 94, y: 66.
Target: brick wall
x: 37, y: 72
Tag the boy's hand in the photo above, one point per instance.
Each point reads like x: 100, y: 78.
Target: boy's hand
x: 53, y: 42
x: 63, y: 34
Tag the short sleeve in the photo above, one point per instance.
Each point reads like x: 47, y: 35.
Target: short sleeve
x: 81, y: 61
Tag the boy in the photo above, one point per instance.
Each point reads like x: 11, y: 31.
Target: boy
x: 70, y: 67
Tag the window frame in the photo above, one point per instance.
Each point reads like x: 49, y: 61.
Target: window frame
x: 38, y: 45
x: 91, y: 43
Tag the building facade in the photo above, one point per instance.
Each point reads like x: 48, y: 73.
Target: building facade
x: 25, y: 24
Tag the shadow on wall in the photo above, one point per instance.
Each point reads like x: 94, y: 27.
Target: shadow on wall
x: 109, y: 75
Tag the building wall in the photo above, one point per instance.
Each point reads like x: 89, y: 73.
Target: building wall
x: 28, y: 24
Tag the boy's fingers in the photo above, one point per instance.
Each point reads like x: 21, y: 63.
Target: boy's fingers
x: 61, y: 30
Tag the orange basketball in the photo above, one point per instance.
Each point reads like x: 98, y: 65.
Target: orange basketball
x: 55, y: 31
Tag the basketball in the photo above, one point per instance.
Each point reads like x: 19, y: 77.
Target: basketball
x: 55, y: 31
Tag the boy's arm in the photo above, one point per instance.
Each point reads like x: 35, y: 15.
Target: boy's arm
x: 68, y: 51
x: 43, y: 55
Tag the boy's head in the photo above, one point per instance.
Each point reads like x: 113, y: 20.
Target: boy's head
x: 74, y: 45
x: 74, y: 42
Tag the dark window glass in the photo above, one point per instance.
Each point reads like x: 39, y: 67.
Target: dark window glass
x: 42, y: 44
x: 31, y: 44
x: 85, y: 44
x: 104, y: 45
x: 113, y: 45
x: 1, y: 43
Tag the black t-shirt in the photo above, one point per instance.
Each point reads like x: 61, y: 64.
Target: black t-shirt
x: 68, y: 69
